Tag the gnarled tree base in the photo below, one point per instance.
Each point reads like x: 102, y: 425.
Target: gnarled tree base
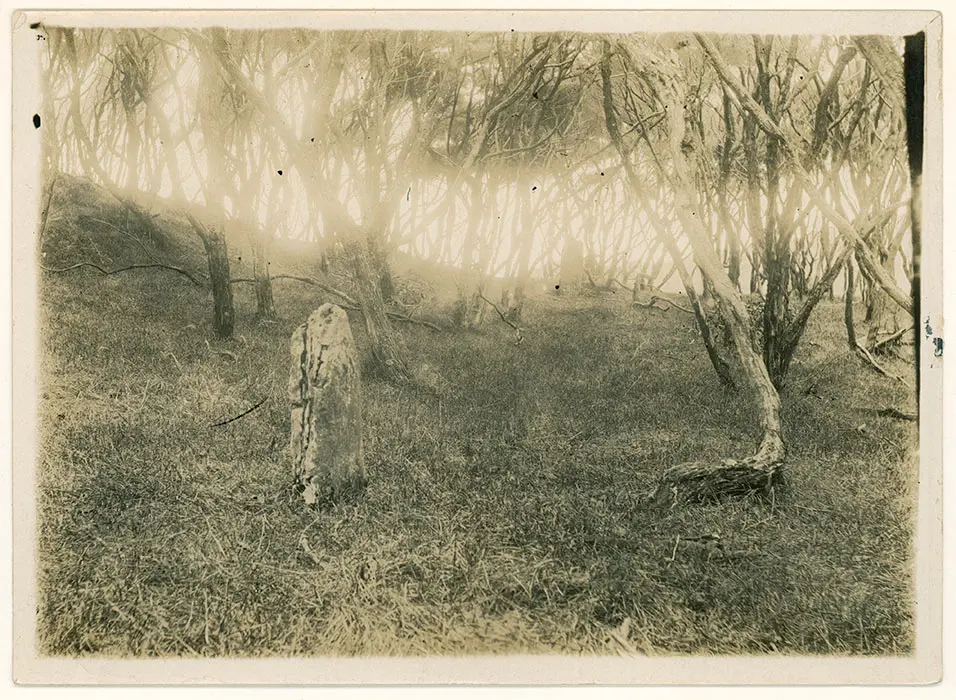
x: 701, y: 482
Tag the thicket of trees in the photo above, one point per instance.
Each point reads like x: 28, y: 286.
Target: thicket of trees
x: 744, y: 167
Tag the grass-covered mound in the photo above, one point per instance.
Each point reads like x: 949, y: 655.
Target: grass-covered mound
x: 505, y: 512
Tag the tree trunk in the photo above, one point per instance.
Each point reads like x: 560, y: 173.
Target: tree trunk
x: 726, y: 161
x: 776, y: 240
x: 218, y: 259
x: 388, y: 352
x: 721, y: 367
x: 326, y: 441
x: 471, y: 305
x: 132, y: 149
x: 572, y: 265
x: 663, y: 233
x: 848, y: 307
x: 265, y: 302
x: 525, y: 244
x: 212, y: 120
x: 881, y: 315
x: 699, y: 481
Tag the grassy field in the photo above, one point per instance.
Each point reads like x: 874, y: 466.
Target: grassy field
x: 504, y: 513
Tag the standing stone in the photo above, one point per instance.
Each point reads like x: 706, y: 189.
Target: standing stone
x: 326, y: 445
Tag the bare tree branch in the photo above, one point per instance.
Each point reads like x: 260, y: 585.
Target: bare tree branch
x: 197, y: 282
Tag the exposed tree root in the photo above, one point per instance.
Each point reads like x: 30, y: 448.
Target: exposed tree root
x: 701, y: 482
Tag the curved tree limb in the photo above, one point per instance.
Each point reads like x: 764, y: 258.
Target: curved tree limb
x: 188, y: 275
x: 305, y: 280
x: 517, y: 329
x: 655, y: 299
x: 350, y: 303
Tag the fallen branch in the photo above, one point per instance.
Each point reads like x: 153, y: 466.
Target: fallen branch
x: 893, y: 338
x: 871, y: 361
x: 655, y: 299
x: 518, y: 332
x: 224, y: 353
x: 184, y: 273
x: 305, y: 280
x: 895, y: 413
x: 402, y: 318
x: 350, y: 303
x: 395, y: 316
x: 241, y: 415
x: 652, y: 304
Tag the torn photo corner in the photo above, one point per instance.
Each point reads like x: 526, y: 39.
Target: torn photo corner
x: 477, y: 347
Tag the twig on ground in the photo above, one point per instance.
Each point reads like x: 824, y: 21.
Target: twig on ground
x: 184, y: 273
x: 171, y: 355
x: 241, y: 415
x: 224, y: 353
x: 519, y: 334
x: 673, y: 555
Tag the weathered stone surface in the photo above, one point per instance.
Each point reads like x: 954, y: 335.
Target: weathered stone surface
x: 326, y: 443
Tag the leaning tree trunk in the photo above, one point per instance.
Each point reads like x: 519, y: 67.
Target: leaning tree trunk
x: 721, y: 367
x: 218, y: 258
x: 881, y: 314
x: 212, y: 120
x: 848, y: 307
x: 326, y: 442
x: 388, y: 352
x: 706, y: 480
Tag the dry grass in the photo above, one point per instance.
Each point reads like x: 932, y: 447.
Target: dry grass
x: 504, y: 513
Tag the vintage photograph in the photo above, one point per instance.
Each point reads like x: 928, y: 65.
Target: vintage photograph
x: 366, y: 340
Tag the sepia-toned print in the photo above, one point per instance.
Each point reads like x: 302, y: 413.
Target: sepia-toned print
x: 421, y: 342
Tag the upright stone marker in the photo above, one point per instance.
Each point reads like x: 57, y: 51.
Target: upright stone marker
x: 326, y: 445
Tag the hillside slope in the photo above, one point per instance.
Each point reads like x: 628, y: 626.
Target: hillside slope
x: 505, y: 512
